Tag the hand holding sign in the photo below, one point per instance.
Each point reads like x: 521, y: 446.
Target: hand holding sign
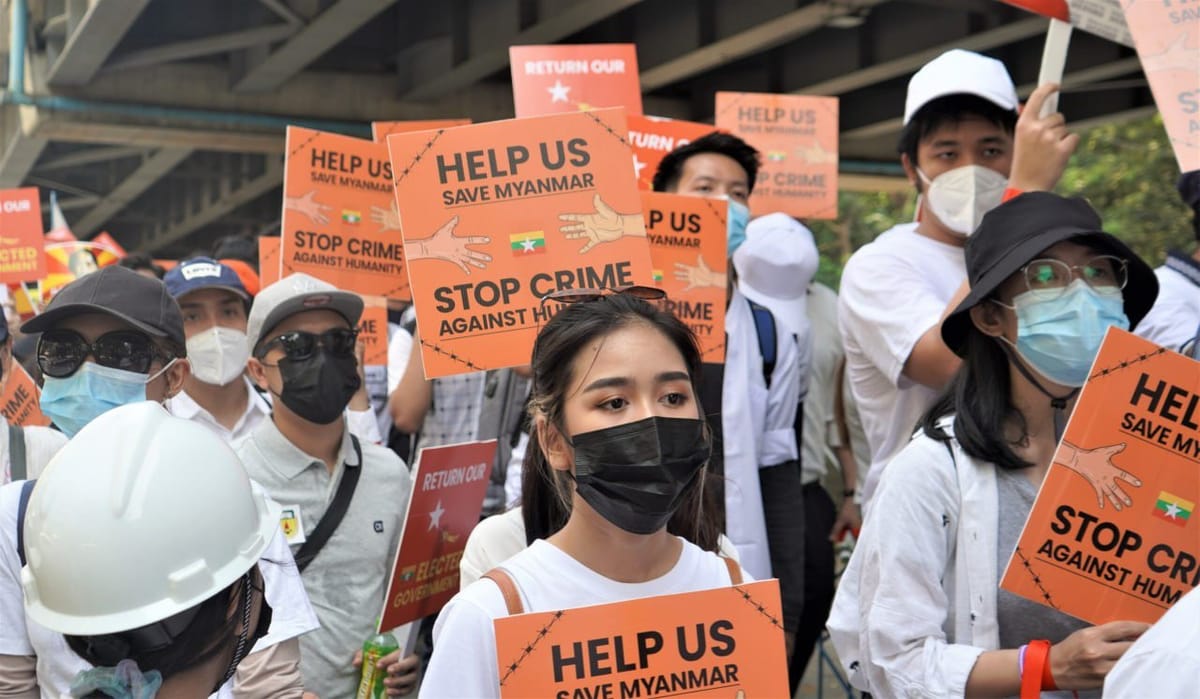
x: 1083, y: 659
x: 305, y: 204
x: 604, y: 226
x: 1097, y: 468
x: 700, y: 275
x: 1042, y: 145
x: 442, y: 245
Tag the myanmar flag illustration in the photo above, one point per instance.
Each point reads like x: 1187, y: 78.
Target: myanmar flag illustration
x: 1173, y: 508
x: 657, y: 275
x: 531, y: 243
x: 350, y: 216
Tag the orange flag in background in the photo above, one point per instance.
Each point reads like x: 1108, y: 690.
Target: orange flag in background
x: 726, y: 642
x: 1114, y: 533
x: 340, y: 222
x: 574, y: 77
x: 653, y: 137
x: 498, y: 215
x: 798, y: 139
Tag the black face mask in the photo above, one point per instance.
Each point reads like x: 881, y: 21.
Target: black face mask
x: 635, y: 474
x: 319, y: 388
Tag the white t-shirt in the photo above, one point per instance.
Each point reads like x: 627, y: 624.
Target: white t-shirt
x: 57, y: 665
x: 464, y: 640
x: 1175, y: 317
x: 893, y: 290
x: 1165, y: 662
x: 41, y: 444
x: 500, y: 537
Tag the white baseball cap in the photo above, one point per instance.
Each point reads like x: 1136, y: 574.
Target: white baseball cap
x: 775, y: 266
x: 960, y: 72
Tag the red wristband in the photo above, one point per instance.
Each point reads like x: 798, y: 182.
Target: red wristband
x: 1010, y: 193
x: 1037, y: 669
x: 1048, y: 677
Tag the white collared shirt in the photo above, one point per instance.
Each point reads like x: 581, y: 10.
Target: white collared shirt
x: 258, y: 407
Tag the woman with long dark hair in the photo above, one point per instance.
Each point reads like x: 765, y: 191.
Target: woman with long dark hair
x: 615, y: 473
x: 919, y: 611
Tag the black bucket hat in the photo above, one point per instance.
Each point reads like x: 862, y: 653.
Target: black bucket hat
x: 1016, y: 232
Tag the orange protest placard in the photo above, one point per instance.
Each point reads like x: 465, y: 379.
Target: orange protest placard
x: 449, y: 483
x: 268, y: 260
x: 798, y: 139
x: 21, y: 256
x: 380, y: 130
x: 651, y: 138
x: 340, y: 222
x: 1114, y: 532
x: 574, y: 77
x: 1167, y: 35
x: 725, y: 642
x: 498, y: 215
x: 688, y: 250
x: 373, y: 331
x: 20, y: 400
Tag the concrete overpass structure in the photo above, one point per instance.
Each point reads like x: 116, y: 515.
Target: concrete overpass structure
x: 162, y: 121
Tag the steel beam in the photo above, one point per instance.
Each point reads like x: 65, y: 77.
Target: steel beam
x: 150, y: 171
x: 88, y: 46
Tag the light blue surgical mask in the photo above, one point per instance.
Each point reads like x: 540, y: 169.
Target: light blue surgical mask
x: 737, y: 219
x: 73, y: 401
x: 1059, y: 332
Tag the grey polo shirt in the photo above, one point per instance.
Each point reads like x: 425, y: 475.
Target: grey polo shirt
x: 346, y: 581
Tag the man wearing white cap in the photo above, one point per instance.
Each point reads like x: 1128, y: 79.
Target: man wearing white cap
x: 963, y: 148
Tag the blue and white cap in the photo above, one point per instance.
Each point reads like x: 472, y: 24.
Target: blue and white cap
x: 203, y: 273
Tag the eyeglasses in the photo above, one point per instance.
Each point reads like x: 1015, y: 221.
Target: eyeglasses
x: 61, y: 352
x: 299, y: 345
x: 1103, y: 273
x: 646, y: 293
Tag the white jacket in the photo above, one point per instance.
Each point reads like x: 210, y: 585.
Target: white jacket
x: 917, y: 604
x: 758, y: 428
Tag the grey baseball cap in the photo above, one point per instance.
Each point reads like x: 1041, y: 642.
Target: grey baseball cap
x: 294, y: 294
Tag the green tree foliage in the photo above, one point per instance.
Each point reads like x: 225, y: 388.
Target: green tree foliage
x: 1126, y: 170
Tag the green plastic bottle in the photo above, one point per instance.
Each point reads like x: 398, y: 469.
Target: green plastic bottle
x: 374, y: 648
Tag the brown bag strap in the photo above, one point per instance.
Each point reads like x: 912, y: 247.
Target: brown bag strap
x: 735, y: 570
x: 504, y: 581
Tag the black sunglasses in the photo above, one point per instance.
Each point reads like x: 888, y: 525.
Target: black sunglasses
x: 61, y: 352
x: 299, y: 345
x: 646, y: 293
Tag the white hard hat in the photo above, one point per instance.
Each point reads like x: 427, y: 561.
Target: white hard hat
x: 139, y: 517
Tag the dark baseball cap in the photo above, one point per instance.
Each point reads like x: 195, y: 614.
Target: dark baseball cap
x: 121, y: 293
x: 203, y: 273
x: 1016, y: 232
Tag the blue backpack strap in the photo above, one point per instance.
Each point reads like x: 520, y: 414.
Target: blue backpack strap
x: 22, y: 505
x: 764, y: 327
